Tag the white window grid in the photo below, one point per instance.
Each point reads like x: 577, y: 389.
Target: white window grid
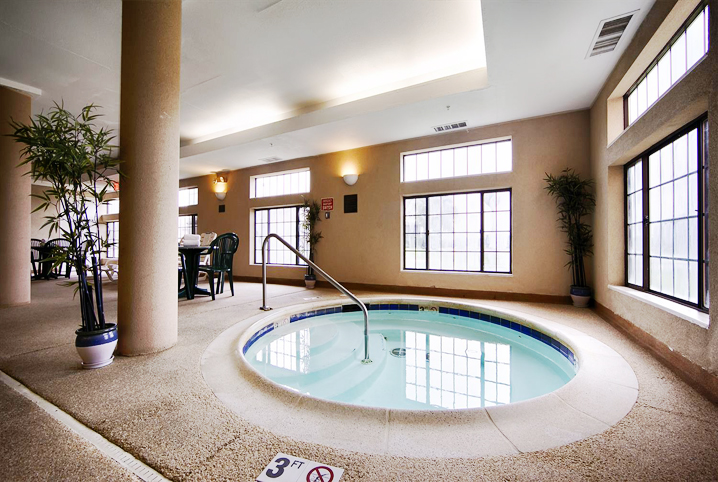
x: 286, y: 223
x: 458, y: 232
x: 673, y: 218
x: 682, y: 54
x: 634, y: 221
x: 188, y: 196
x: 467, y: 160
x: 291, y: 352
x: 279, y: 184
x: 186, y: 224
x: 458, y: 373
x: 113, y: 239
x: 667, y: 218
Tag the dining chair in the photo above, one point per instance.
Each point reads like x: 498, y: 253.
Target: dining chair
x: 35, y: 254
x: 221, y: 258
x: 61, y: 244
x: 205, y: 240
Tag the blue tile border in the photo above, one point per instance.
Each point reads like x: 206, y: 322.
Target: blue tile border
x: 445, y: 310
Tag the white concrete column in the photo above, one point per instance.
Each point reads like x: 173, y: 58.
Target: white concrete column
x: 149, y: 148
x: 15, y: 218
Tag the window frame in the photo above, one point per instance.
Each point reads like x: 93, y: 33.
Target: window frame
x: 253, y: 182
x: 187, y: 188
x: 703, y: 260
x: 481, y: 232
x: 114, y: 243
x: 298, y: 234
x: 496, y: 140
x: 681, y: 30
x: 194, y: 223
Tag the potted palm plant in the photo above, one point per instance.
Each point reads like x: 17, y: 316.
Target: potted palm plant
x: 311, y: 216
x: 575, y: 200
x: 74, y: 157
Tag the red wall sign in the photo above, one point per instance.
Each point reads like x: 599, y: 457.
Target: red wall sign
x: 327, y: 204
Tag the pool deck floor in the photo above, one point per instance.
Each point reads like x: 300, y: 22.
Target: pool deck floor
x: 159, y: 408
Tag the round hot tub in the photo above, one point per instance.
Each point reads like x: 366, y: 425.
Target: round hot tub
x: 476, y: 379
x: 423, y: 357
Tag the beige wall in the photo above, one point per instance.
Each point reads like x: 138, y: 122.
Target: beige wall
x: 685, y: 101
x: 366, y: 247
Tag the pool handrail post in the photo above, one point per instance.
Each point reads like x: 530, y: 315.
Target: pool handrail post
x: 324, y: 275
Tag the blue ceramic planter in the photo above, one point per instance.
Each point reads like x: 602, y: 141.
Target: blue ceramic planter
x: 96, y: 348
x: 581, y: 296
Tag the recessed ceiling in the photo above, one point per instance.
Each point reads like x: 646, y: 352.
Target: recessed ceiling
x: 293, y: 78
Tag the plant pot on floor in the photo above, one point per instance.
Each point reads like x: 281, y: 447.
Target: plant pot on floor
x: 310, y: 281
x: 97, y: 348
x: 581, y: 296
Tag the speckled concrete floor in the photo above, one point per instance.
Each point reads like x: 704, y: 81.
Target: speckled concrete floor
x: 159, y: 409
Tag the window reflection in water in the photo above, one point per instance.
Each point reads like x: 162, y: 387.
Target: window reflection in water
x: 454, y: 375
x: 290, y: 352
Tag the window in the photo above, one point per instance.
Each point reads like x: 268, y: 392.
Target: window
x: 112, y: 206
x: 291, y: 352
x: 279, y: 184
x: 466, y: 160
x: 113, y: 238
x: 285, y: 222
x: 666, y: 218
x: 458, y: 232
x: 688, y: 46
x: 448, y: 372
x: 188, y: 196
x: 186, y: 225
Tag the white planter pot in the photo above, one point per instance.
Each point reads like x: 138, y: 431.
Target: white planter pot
x: 581, y: 296
x: 97, y: 348
x: 581, y: 301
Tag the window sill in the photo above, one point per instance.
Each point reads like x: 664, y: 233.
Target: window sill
x: 681, y: 311
x: 460, y: 273
x: 273, y: 265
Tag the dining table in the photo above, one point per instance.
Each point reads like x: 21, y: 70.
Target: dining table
x: 191, y: 256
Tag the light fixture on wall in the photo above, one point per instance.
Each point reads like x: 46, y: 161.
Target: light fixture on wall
x: 350, y: 179
x: 220, y: 187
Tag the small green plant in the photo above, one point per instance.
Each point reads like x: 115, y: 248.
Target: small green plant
x: 311, y: 216
x: 75, y: 157
x: 575, y: 200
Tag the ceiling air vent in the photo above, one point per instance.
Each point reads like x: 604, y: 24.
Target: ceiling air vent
x: 267, y: 160
x: 448, y: 127
x: 608, y: 34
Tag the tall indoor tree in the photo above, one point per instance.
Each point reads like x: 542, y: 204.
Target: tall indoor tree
x: 575, y: 201
x: 311, y: 215
x: 71, y: 154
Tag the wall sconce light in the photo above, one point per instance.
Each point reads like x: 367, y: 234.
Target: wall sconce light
x: 350, y: 179
x: 220, y: 187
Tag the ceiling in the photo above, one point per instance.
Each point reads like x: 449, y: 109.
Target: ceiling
x: 293, y: 78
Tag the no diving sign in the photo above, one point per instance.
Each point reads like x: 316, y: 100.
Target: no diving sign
x: 287, y: 468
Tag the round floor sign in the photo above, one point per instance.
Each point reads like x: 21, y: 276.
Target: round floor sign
x: 320, y: 473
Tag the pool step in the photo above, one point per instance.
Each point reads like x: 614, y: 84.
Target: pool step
x: 355, y: 376
x: 336, y: 352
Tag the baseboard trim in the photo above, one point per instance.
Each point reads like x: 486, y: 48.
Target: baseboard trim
x: 13, y: 305
x: 421, y: 290
x: 276, y: 281
x: 694, y: 375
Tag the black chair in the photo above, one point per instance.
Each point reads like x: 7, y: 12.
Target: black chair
x: 35, y: 254
x: 222, y: 252
x: 59, y: 244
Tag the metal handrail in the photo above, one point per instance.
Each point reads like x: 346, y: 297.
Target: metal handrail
x: 331, y: 280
